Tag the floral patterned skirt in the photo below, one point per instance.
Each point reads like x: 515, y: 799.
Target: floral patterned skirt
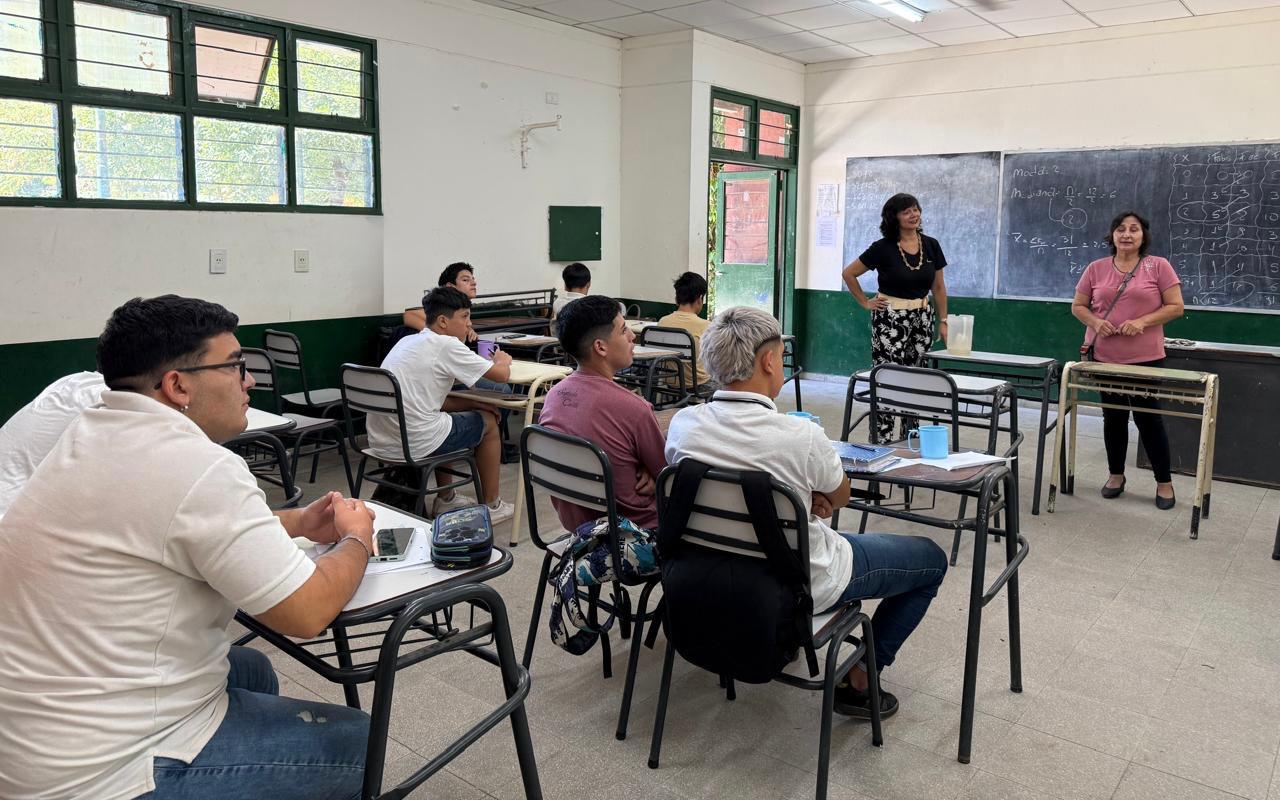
x: 899, y: 337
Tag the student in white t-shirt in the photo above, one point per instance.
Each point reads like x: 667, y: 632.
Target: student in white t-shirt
x: 577, y: 284
x: 31, y: 433
x: 428, y: 365
x: 740, y: 428
x: 124, y: 559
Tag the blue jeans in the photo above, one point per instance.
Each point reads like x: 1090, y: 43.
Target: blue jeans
x: 270, y: 746
x: 905, y: 573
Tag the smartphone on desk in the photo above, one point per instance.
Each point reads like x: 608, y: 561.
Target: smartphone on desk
x: 391, y: 544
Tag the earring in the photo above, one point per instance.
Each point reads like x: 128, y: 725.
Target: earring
x: 184, y: 409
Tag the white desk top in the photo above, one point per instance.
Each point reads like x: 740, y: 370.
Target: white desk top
x: 518, y: 339
x: 524, y: 372
x: 982, y: 357
x: 266, y: 422
x: 638, y: 325
x: 967, y: 384
x: 645, y: 352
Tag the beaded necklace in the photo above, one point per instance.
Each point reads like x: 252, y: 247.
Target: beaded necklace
x: 920, y: 255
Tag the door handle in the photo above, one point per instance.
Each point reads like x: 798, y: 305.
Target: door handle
x: 719, y: 274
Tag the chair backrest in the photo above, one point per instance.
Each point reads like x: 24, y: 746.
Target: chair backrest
x: 286, y: 353
x: 720, y: 519
x: 569, y: 468
x: 916, y: 392
x: 670, y: 338
x: 258, y: 364
x: 372, y: 390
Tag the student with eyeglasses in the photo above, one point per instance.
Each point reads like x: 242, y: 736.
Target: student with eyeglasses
x: 124, y: 559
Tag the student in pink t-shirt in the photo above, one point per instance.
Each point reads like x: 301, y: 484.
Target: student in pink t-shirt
x: 589, y: 404
x: 1132, y: 333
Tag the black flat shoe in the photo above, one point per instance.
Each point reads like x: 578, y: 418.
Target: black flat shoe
x: 1112, y: 492
x: 1166, y: 503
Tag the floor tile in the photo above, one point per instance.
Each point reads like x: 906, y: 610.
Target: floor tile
x: 1055, y: 766
x: 1189, y: 753
x: 1143, y: 783
x: 1076, y: 718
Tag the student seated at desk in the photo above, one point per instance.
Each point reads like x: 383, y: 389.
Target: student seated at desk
x: 428, y: 365
x: 459, y: 275
x: 577, y: 285
x: 32, y: 432
x: 124, y: 559
x: 691, y: 296
x: 591, y: 405
x: 741, y: 429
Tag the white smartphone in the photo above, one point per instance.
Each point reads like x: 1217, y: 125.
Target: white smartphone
x: 391, y: 544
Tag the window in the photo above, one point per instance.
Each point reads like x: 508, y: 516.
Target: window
x: 167, y: 105
x: 751, y: 130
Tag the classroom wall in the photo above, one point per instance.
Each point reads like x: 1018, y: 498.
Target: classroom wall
x: 1196, y: 80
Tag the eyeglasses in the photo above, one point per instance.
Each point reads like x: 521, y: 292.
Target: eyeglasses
x: 239, y: 362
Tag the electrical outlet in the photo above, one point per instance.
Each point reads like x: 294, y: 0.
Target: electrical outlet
x: 301, y: 260
x: 217, y: 262
x: 553, y: 98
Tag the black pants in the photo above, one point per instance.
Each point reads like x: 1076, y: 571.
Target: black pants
x: 1151, y: 432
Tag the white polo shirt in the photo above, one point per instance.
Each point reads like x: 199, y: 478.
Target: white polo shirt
x: 426, y: 365
x: 743, y: 430
x: 30, y: 434
x: 121, y: 564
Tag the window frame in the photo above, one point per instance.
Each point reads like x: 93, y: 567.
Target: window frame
x: 59, y: 86
x: 752, y: 154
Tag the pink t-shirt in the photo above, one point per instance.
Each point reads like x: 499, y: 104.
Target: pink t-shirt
x: 623, y: 426
x: 1141, y: 297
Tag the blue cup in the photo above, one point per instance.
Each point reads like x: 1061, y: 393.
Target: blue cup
x: 933, y: 441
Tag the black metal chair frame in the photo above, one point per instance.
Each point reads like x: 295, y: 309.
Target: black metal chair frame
x: 790, y: 365
x: 258, y: 363
x: 374, y: 401
x: 409, y: 639
x: 264, y: 453
x: 683, y: 392
x: 286, y: 353
x: 834, y: 635
x: 604, y: 501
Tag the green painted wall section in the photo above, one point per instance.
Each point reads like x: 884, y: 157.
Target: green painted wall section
x: 835, y: 334
x: 650, y: 309
x: 27, y: 368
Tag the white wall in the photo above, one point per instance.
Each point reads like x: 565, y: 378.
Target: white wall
x: 452, y: 185
x: 666, y: 112
x: 1204, y: 79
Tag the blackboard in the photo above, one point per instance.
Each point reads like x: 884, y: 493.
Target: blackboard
x: 573, y: 233
x: 1214, y: 212
x: 958, y: 196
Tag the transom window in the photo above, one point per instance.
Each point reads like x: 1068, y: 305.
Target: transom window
x: 752, y: 130
x: 167, y: 105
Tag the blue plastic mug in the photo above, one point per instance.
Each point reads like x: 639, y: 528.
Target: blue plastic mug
x: 933, y: 441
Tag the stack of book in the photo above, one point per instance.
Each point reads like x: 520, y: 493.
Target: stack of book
x: 867, y: 458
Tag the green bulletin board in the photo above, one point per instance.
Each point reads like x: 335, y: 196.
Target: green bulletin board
x: 574, y: 233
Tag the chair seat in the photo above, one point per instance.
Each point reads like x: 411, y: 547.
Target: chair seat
x: 319, y: 397
x: 967, y: 384
x: 304, y: 423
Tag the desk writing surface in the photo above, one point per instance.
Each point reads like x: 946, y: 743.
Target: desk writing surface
x: 266, y: 422
x: 923, y: 472
x: 517, y: 339
x: 645, y: 352
x: 530, y: 371
x: 1134, y: 371
x: 983, y: 357
x: 967, y: 384
x: 1225, y: 347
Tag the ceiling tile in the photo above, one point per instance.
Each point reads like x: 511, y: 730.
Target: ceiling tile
x: 1217, y: 6
x: 754, y: 28
x: 1013, y: 10
x: 940, y: 21
x: 1170, y: 9
x: 502, y: 4
x: 658, y: 5
x: 709, y: 12
x: 790, y: 42
x: 641, y: 25
x: 978, y: 33
x: 1089, y: 6
x: 587, y: 26
x: 815, y: 55
x: 861, y: 32
x: 933, y: 5
x: 897, y: 44
x: 537, y: 12
x: 869, y: 8
x: 770, y: 7
x: 586, y: 10
x: 823, y: 17
x: 1035, y: 27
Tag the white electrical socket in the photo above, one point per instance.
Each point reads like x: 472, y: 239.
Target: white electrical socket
x: 301, y: 260
x: 217, y: 262
x: 553, y: 98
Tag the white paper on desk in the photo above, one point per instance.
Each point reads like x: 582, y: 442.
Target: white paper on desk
x: 419, y: 555
x: 952, y: 462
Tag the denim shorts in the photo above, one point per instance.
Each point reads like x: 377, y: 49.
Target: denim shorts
x: 468, y: 430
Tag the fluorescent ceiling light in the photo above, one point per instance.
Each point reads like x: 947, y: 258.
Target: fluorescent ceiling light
x: 908, y: 12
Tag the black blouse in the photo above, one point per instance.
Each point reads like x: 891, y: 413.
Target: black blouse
x: 895, y: 277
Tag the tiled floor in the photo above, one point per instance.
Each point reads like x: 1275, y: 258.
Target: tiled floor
x: 1151, y: 670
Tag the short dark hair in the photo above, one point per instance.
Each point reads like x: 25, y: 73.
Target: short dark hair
x: 889, y: 214
x: 444, y: 301
x: 450, y: 274
x: 1146, y: 232
x: 689, y: 287
x: 584, y: 320
x: 144, y: 337
x: 575, y: 276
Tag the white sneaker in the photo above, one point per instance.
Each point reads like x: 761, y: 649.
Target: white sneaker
x: 502, y: 512
x: 459, y: 500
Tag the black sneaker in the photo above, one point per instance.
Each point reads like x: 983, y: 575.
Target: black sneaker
x: 853, y: 703
x: 510, y: 453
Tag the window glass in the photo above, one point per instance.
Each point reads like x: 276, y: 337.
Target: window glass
x: 21, y: 40
x: 119, y: 48
x: 729, y: 125
x: 127, y: 155
x: 29, y: 149
x: 333, y: 169
x: 776, y: 129
x: 329, y: 79
x: 237, y: 67
x: 240, y: 162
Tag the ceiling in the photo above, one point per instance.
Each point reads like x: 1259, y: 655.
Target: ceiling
x: 812, y: 31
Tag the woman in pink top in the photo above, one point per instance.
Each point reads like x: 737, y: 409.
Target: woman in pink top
x: 1132, y: 333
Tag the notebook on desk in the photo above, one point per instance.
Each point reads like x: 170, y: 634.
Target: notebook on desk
x: 864, y: 457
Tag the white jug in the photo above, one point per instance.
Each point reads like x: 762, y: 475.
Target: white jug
x: 959, y: 334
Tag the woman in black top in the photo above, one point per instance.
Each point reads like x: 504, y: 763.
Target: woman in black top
x: 908, y: 265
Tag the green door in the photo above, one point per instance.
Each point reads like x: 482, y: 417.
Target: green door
x: 746, y: 243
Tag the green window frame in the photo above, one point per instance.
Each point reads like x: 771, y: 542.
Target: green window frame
x: 757, y: 132
x: 60, y: 87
